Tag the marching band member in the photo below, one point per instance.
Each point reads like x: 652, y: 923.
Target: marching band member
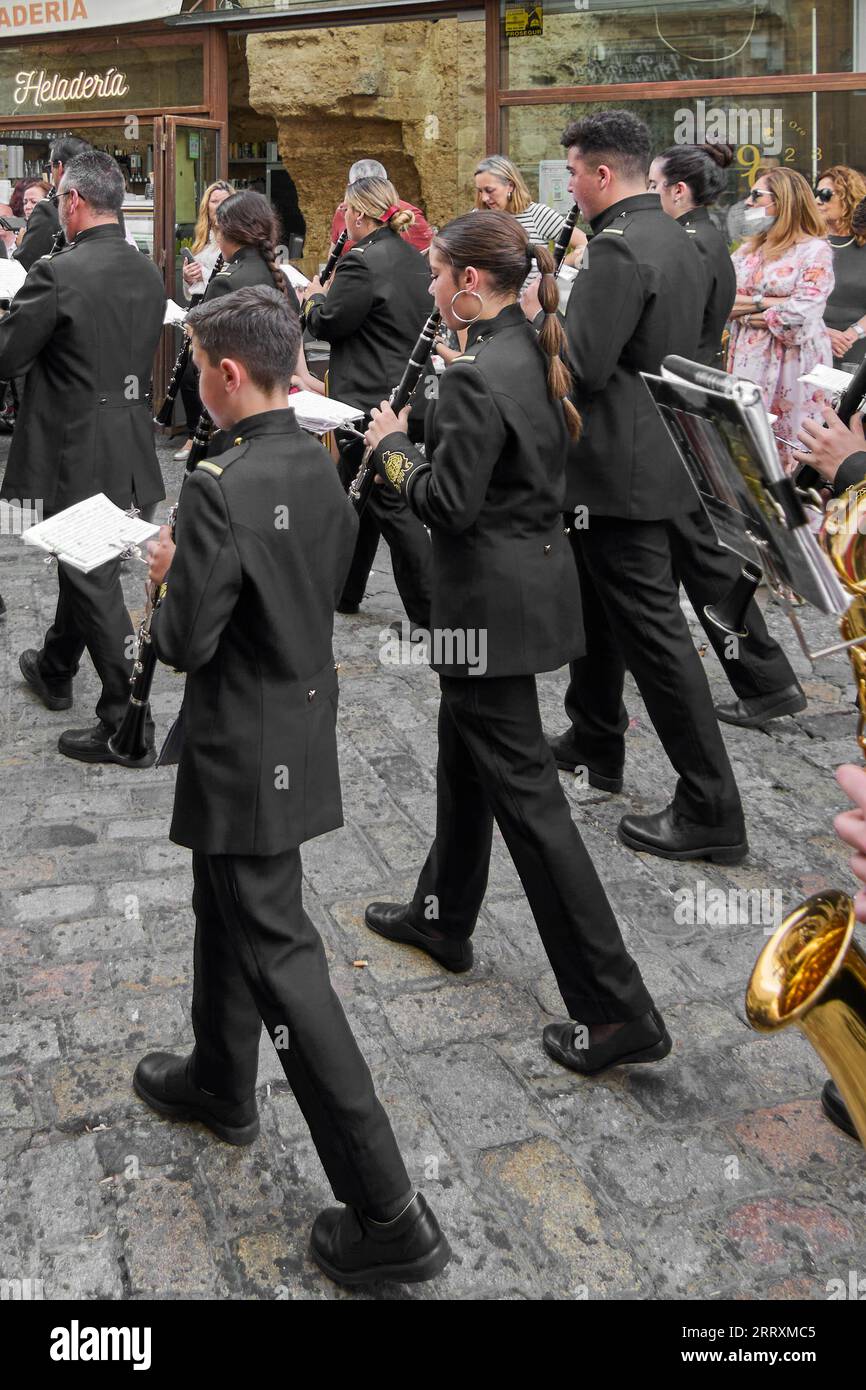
x: 688, y: 179
x: 248, y: 614
x: 374, y: 309
x: 640, y: 298
x: 504, y: 586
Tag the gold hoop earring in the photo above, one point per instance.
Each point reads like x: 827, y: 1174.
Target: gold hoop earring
x: 475, y: 295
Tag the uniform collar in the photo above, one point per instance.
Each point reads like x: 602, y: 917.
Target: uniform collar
x: 638, y: 202
x: 105, y: 229
x: 693, y: 215
x: 244, y: 252
x: 509, y: 317
x: 376, y: 235
x: 257, y: 426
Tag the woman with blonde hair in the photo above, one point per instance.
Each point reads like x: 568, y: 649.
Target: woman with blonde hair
x: 197, y: 272
x: 784, y: 279
x: 376, y: 304
x: 500, y: 186
x: 839, y: 192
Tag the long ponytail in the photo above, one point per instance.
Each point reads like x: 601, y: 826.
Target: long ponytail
x: 552, y: 340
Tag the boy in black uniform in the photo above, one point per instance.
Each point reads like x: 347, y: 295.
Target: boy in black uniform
x: 264, y: 538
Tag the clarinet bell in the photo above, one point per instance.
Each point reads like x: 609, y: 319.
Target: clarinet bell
x: 730, y: 614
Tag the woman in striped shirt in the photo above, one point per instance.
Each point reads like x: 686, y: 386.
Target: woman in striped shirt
x: 499, y: 185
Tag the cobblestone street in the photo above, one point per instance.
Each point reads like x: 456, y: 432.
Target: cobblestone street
x: 712, y: 1174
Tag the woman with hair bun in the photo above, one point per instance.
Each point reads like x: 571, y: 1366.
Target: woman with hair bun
x: 375, y: 306
x: 506, y: 605
x: 688, y: 179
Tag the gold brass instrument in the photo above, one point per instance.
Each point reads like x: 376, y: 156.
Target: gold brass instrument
x: 812, y: 972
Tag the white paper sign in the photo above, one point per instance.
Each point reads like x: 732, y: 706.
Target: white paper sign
x: 17, y: 20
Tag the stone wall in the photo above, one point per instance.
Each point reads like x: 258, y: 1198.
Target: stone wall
x: 408, y: 94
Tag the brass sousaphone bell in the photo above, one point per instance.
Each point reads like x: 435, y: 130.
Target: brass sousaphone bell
x: 812, y: 972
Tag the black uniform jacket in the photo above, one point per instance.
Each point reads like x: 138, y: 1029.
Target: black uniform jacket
x: 265, y: 536
x: 639, y: 296
x: 84, y: 328
x: 374, y: 310
x: 244, y: 270
x: 491, y: 489
x: 720, y: 277
x: 42, y: 227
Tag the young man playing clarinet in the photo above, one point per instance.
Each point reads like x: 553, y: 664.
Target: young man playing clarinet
x: 264, y: 539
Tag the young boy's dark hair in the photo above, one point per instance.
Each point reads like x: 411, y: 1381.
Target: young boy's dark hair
x: 616, y: 138
x: 254, y: 326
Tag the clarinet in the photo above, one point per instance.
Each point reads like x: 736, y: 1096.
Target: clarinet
x: 359, y: 491
x: 129, y: 743
x: 163, y: 417
x: 560, y: 246
x: 331, y: 262
x: 204, y: 427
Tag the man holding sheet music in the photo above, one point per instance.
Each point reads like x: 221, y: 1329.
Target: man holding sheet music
x: 84, y: 329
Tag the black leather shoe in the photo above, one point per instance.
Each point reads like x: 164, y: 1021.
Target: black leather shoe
x: 569, y: 759
x: 91, y: 746
x: 644, y: 1039
x: 671, y: 837
x: 750, y: 714
x: 836, y: 1110
x: 162, y: 1081
x: 53, y: 694
x: 352, y: 1249
x: 393, y: 920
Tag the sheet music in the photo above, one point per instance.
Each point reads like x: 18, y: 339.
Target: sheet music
x: 173, y: 312
x: 89, y: 534
x: 319, y: 414
x: 294, y: 276
x: 12, y: 277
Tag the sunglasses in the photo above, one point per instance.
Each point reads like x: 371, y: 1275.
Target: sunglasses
x: 758, y: 193
x: 824, y: 194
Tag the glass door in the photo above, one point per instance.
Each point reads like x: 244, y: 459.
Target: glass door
x: 190, y: 156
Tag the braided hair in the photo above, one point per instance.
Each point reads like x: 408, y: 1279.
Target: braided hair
x: 248, y: 219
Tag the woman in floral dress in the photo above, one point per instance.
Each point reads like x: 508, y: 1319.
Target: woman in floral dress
x: 784, y: 278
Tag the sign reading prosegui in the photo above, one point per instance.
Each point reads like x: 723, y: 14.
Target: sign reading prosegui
x: 52, y: 16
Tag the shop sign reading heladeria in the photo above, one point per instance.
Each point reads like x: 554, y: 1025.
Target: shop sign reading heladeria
x: 47, y: 17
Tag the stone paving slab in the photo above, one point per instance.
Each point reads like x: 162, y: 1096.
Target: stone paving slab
x: 712, y: 1175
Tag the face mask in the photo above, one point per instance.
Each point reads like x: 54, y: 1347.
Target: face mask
x: 758, y: 218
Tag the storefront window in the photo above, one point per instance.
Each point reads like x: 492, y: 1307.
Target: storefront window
x: 577, y: 43
x: 51, y: 80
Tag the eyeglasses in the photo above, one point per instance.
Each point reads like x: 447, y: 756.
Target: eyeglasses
x: 824, y: 195
x: 758, y: 193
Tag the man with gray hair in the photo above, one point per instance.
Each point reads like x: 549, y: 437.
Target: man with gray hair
x: 419, y: 235
x: 84, y: 329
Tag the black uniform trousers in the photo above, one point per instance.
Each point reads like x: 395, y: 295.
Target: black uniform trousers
x: 91, y: 614
x: 192, y: 405
x: 754, y: 665
x: 386, y: 514
x: 633, y: 620
x: 258, y: 958
x: 494, y: 763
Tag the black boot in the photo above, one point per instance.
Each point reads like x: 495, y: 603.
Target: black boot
x: 669, y: 835
x: 644, y: 1039
x: 353, y: 1249
x: 162, y: 1080
x: 836, y: 1110
x: 394, y: 921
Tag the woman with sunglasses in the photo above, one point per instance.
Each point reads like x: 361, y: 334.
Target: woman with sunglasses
x: 838, y: 194
x: 784, y: 279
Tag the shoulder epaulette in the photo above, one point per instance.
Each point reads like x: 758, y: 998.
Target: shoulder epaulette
x: 617, y: 231
x: 239, y: 446
x: 226, y: 270
x: 465, y: 357
x: 210, y: 468
x: 692, y: 231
